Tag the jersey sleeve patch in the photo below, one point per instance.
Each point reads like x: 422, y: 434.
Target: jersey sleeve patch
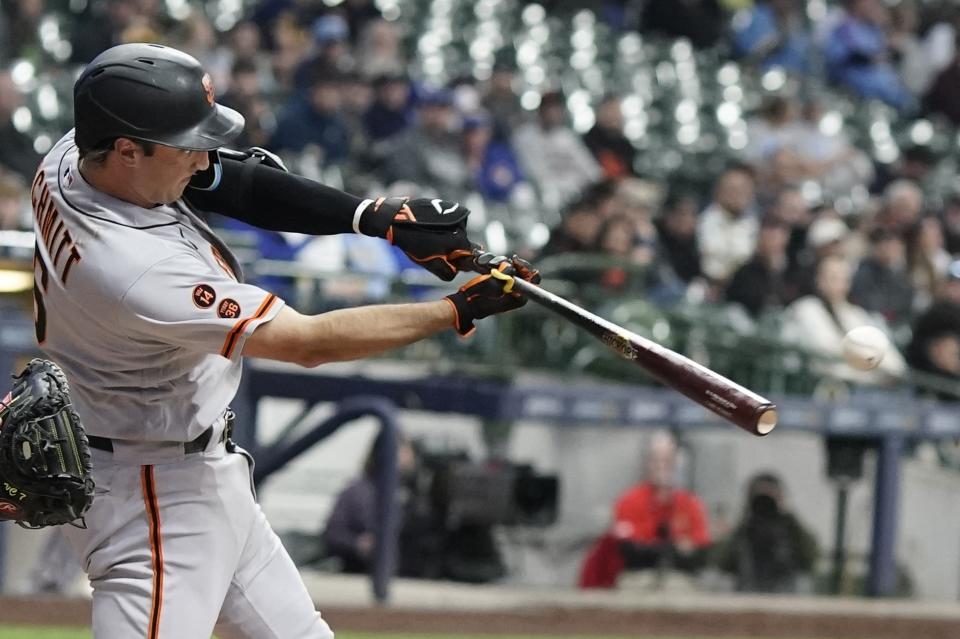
x: 204, y: 296
x: 228, y: 309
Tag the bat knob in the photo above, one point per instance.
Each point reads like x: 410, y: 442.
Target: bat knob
x: 484, y: 261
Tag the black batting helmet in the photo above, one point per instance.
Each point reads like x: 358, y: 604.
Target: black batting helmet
x: 152, y: 93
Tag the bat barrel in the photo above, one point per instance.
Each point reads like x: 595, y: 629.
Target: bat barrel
x: 716, y: 393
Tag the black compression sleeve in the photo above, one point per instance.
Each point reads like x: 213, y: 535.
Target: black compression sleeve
x: 272, y: 199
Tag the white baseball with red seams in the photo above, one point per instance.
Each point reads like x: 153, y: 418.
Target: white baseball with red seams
x: 864, y: 347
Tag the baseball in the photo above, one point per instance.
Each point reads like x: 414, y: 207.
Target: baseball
x: 864, y: 347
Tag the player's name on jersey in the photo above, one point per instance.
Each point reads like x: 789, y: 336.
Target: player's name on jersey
x: 53, y: 233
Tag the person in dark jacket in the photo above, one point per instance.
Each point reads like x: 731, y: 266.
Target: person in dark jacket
x: 769, y: 549
x: 614, y: 152
x: 760, y: 284
x: 314, y: 119
x: 677, y: 230
x: 881, y: 284
x: 391, y: 111
x: 350, y: 532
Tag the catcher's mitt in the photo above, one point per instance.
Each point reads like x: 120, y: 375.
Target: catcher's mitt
x: 44, y: 457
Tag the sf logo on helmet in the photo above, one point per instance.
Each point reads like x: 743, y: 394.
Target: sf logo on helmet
x: 207, y: 87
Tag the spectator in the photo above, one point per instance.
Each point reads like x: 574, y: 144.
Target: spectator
x: 639, y: 200
x: 391, y: 112
x: 315, y: 120
x: 902, y: 206
x: 818, y: 322
x: 928, y: 350
x: 99, y: 28
x: 329, y: 51
x: 951, y: 223
x: 857, y: 55
x: 491, y: 160
x: 357, y: 98
x: 827, y: 235
x: 552, y: 156
x: 761, y: 284
x: 289, y: 42
x: 915, y: 165
x: 617, y: 238
x: 700, y: 21
x: 772, y: 129
x: 882, y: 284
x: 245, y: 97
x: 25, y: 17
x: 927, y: 260
x: 430, y: 154
x: 611, y: 148
x: 578, y: 230
x: 769, y: 550
x: 727, y: 229
x: 350, y: 531
x: 907, y: 52
x: 245, y: 43
x: 500, y: 99
x: 195, y: 35
x: 677, y: 232
x: 939, y: 354
x: 359, y: 13
x: 790, y: 207
x: 379, y: 50
x: 943, y: 96
x: 16, y: 149
x: 658, y: 524
x: 772, y: 34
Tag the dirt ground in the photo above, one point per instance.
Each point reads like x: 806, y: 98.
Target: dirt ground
x: 583, y: 621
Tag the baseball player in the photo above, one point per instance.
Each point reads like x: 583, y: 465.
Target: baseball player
x: 146, y: 311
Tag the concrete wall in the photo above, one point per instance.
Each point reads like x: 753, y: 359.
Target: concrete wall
x: 596, y: 464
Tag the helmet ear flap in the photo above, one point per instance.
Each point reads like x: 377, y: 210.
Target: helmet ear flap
x: 209, y: 178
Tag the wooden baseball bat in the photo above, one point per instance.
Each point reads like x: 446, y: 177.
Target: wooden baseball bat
x: 711, y: 390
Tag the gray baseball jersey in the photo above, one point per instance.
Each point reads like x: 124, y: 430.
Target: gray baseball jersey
x: 141, y: 307
x: 144, y: 311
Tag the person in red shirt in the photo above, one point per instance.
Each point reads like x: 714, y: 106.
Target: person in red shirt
x: 658, y: 524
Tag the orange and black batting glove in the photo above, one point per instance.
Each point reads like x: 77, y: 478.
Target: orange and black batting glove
x: 432, y: 232
x: 486, y: 295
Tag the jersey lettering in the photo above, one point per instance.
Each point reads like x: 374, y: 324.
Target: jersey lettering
x: 53, y: 232
x: 39, y: 288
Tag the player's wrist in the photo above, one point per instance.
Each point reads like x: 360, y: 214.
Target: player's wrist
x: 374, y: 217
x: 462, y: 313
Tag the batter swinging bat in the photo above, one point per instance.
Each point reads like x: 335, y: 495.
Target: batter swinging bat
x: 711, y: 390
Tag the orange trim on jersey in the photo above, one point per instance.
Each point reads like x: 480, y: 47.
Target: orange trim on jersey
x: 234, y: 335
x: 156, y: 548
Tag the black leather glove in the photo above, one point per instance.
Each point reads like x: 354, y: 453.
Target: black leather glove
x: 432, y: 232
x: 491, y: 293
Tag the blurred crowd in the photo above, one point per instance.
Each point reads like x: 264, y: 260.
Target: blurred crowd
x: 337, y: 89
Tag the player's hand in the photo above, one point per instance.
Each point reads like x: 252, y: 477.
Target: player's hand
x: 487, y: 295
x: 432, y: 232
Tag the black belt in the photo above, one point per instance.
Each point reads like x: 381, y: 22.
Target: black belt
x: 197, y: 445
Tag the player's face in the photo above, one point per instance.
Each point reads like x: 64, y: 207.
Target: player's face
x: 167, y: 172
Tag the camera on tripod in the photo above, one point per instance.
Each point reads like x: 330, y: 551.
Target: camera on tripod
x: 464, y: 492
